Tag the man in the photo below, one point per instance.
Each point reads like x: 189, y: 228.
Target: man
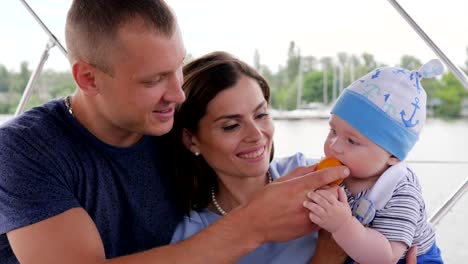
x: 82, y: 180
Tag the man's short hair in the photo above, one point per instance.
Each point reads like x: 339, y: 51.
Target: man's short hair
x: 92, y: 26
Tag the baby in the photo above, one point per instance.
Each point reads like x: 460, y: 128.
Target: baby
x: 373, y: 125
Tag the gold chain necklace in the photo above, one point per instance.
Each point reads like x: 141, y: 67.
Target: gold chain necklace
x: 215, y: 202
x: 67, y: 101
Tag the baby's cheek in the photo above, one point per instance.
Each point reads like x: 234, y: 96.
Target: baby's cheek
x: 326, y: 150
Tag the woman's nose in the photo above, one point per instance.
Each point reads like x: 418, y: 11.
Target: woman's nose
x: 253, y: 133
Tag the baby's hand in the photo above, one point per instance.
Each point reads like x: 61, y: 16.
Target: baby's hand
x: 328, y: 211
x: 333, y: 189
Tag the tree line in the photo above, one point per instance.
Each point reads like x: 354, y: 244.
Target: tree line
x: 306, y: 79
x: 51, y: 84
x: 302, y: 80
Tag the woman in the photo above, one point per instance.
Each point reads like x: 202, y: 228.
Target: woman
x: 226, y: 150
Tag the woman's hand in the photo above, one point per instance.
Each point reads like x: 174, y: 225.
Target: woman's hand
x: 327, y: 250
x: 411, y: 255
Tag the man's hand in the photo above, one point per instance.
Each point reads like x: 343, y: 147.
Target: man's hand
x: 277, y: 213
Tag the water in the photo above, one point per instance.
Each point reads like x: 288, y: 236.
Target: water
x: 440, y: 141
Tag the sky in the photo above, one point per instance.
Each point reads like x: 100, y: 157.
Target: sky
x: 319, y: 28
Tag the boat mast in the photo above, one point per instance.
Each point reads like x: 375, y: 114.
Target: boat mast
x: 299, y: 82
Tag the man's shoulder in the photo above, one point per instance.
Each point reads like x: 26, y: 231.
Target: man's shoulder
x: 45, y: 119
x: 34, y: 132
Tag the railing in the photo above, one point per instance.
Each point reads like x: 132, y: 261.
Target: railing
x: 447, y: 205
x: 458, y: 73
x: 53, y: 41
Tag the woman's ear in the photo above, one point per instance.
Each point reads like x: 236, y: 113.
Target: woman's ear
x: 190, y: 142
x: 392, y: 160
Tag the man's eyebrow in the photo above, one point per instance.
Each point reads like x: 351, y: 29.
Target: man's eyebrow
x: 235, y: 116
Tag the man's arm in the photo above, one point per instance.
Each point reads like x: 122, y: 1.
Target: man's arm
x: 71, y: 237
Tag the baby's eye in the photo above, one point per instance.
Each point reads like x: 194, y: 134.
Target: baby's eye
x: 352, y: 142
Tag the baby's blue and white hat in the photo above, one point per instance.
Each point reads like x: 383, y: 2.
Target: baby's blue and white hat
x: 388, y: 106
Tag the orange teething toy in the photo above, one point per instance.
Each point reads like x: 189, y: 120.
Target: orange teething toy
x: 327, y: 163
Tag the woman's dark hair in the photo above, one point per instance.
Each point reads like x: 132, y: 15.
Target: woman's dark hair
x: 204, y: 78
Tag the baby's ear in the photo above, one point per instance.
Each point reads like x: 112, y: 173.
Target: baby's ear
x: 392, y: 160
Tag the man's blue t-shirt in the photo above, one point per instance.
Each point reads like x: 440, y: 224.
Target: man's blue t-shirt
x: 49, y: 164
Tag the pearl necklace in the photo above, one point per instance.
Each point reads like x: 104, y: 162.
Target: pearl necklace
x: 215, y: 202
